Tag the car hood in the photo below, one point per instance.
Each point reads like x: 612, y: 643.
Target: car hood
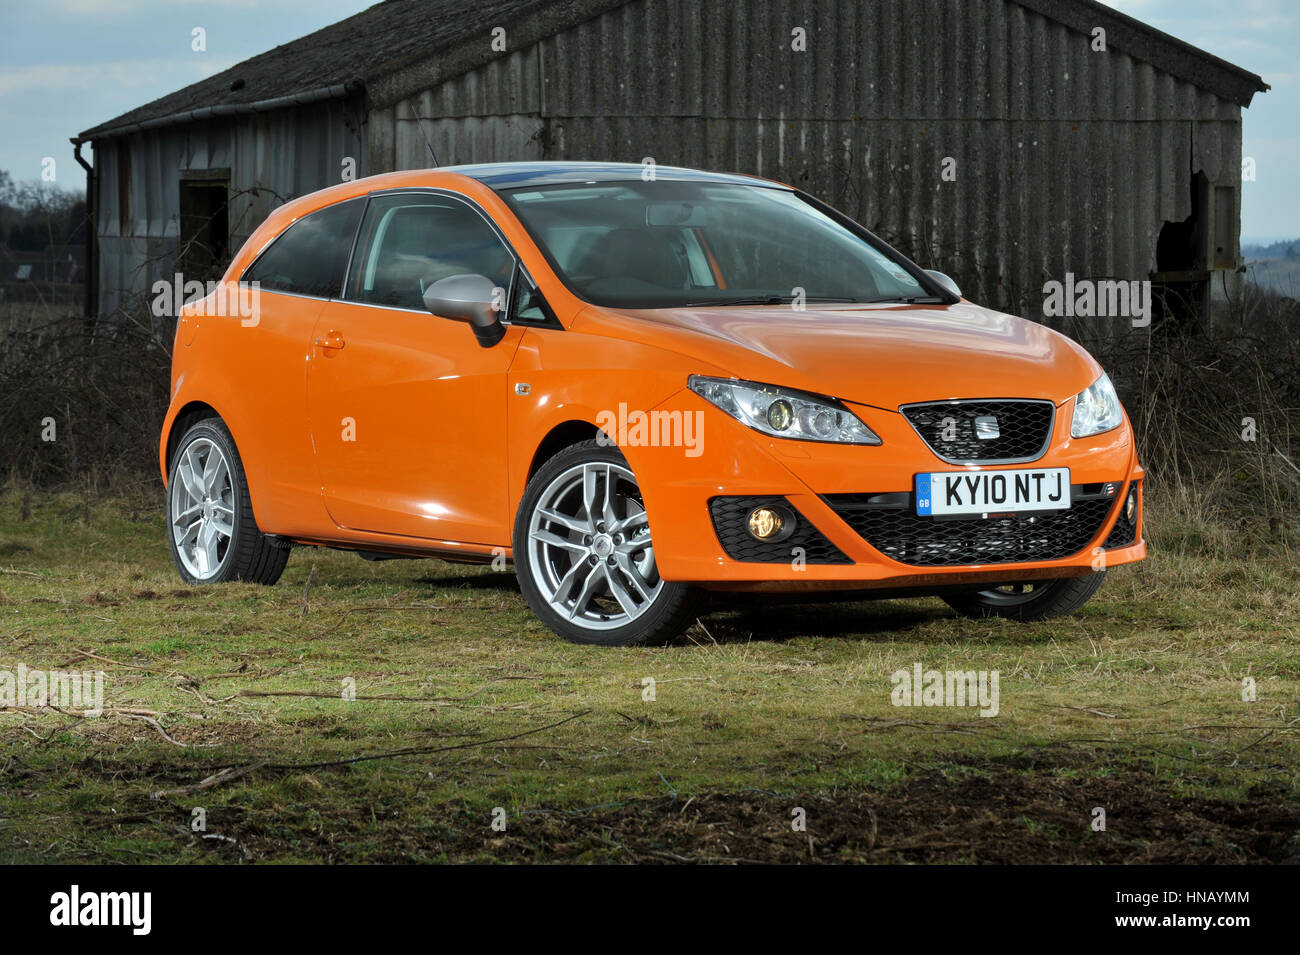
x: 884, y: 356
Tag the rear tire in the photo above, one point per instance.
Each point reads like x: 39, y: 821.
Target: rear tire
x: 584, y: 557
x: 210, y: 524
x: 1031, y: 600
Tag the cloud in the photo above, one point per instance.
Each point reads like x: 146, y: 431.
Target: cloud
x: 48, y: 78
x: 118, y: 8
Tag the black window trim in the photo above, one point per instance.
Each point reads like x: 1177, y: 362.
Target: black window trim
x: 551, y: 321
x: 352, y: 250
x: 549, y: 318
x: 516, y: 263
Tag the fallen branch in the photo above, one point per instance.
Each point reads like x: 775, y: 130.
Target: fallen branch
x: 233, y: 841
x: 338, y: 696
x: 232, y: 773
x: 227, y: 775
x: 19, y: 573
x: 86, y: 654
x: 206, y: 699
x: 1081, y: 709
x: 162, y: 732
x: 83, y: 715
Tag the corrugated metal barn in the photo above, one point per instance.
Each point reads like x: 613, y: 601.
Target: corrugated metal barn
x: 1122, y: 162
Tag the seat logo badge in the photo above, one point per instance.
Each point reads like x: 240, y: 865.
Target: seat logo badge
x: 986, y: 428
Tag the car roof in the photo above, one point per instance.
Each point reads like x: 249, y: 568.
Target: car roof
x: 500, y: 177
x: 515, y: 175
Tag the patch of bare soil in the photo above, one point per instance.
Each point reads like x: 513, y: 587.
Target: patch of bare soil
x: 1012, y: 811
x: 998, y: 817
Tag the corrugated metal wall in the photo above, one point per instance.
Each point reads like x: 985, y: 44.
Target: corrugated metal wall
x: 1066, y: 159
x: 492, y: 114
x: 271, y: 157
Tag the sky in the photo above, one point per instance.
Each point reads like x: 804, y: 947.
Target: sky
x: 1262, y: 36
x: 67, y: 65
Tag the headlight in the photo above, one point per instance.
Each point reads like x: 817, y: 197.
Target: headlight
x: 1096, y: 409
x: 784, y: 413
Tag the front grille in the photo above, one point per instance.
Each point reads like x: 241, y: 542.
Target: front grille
x: 731, y: 521
x: 1124, y: 532
x: 1023, y: 427
x: 890, y: 524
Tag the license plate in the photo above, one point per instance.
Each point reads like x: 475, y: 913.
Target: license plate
x: 942, y: 493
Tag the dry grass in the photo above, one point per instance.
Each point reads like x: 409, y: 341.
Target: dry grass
x: 1144, y: 686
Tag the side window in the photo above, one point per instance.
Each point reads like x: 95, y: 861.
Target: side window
x: 310, y: 256
x: 530, y: 307
x: 412, y: 240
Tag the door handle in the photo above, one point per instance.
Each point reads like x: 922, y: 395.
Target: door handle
x: 332, y: 341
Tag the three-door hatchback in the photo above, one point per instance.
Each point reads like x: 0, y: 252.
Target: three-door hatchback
x: 640, y: 387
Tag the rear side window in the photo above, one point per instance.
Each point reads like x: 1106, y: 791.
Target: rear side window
x: 412, y: 240
x: 310, y: 257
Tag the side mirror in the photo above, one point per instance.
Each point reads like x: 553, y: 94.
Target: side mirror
x: 945, y: 283
x: 469, y: 298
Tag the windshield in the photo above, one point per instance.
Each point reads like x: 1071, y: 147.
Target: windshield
x: 671, y: 244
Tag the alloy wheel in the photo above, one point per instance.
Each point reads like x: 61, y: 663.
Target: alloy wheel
x: 202, y: 508
x: 590, y: 548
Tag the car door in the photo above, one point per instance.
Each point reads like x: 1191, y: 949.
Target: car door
x: 408, y: 411
x: 289, y: 284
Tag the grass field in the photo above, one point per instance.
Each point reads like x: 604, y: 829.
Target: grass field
x: 230, y: 700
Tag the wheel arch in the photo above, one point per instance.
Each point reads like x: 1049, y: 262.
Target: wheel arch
x: 561, y: 436
x: 188, y: 414
x: 565, y: 434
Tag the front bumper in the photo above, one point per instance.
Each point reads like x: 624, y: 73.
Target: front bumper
x: 854, y: 505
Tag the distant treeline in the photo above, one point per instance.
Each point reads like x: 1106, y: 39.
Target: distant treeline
x: 1282, y: 249
x: 35, y: 216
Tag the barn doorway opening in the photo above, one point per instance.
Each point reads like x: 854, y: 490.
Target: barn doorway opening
x: 1180, y: 284
x: 204, y: 225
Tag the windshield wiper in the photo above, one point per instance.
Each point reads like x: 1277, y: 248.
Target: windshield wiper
x: 767, y: 300
x: 915, y: 299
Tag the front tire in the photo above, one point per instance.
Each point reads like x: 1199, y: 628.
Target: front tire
x: 210, y: 525
x: 584, y: 557
x: 1031, y: 600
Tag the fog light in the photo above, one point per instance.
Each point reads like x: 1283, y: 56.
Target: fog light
x: 765, y: 523
x: 1131, y: 505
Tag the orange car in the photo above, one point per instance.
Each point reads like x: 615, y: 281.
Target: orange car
x: 671, y: 382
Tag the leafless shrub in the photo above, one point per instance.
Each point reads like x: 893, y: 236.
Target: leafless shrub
x: 1217, y: 417
x: 82, y: 402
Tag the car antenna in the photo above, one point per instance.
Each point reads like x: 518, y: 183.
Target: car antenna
x: 419, y: 122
